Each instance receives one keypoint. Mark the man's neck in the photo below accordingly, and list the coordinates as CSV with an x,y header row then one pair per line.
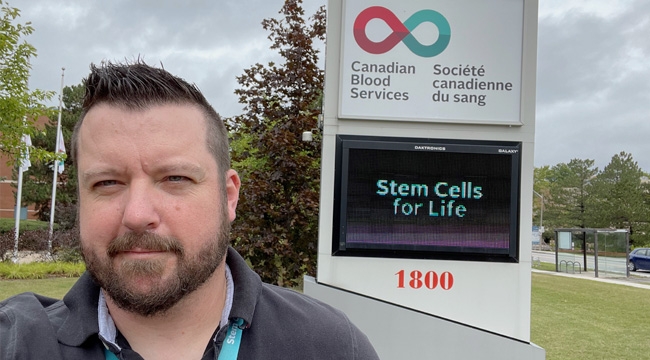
x,y
181,332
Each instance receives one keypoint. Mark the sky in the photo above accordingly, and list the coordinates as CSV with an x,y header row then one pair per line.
x,y
593,78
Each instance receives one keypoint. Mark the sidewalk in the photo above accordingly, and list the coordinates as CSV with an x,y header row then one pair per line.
x,y
634,281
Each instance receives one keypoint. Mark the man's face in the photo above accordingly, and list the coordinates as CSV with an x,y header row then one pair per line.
x,y
154,209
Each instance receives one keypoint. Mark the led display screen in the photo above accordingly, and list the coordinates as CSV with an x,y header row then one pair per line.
x,y
427,198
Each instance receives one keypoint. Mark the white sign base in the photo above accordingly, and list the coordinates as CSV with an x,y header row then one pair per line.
x,y
400,333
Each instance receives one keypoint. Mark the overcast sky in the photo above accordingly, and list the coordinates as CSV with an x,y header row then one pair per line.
x,y
593,83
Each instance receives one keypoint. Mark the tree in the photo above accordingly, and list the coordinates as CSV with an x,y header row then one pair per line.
x,y
569,192
541,186
565,188
643,235
37,186
620,198
277,221
19,107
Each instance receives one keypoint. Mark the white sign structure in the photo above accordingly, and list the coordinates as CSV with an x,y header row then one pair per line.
x,y
432,61
428,139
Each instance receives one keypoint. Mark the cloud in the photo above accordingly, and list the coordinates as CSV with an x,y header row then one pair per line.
x,y
591,92
592,88
206,42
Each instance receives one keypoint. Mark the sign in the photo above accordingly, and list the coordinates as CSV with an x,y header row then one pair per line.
x,y
409,197
443,61
537,235
427,164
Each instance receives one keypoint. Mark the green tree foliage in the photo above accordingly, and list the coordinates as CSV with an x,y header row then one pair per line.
x,y
569,192
19,106
577,195
541,185
642,237
619,198
277,220
568,195
37,186
542,176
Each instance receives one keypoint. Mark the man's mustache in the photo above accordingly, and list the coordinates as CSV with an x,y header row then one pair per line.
x,y
146,240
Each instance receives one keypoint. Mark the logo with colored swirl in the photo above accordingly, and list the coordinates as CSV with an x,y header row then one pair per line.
x,y
402,31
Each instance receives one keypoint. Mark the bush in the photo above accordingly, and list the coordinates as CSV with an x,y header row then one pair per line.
x,y
40,270
65,243
6,243
34,240
9,225
65,215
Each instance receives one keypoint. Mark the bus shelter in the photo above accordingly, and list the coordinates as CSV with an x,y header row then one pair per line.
x,y
613,245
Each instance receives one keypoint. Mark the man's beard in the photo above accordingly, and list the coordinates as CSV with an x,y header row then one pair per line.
x,y
191,271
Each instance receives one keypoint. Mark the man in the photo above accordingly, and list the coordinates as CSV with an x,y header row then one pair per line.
x,y
156,198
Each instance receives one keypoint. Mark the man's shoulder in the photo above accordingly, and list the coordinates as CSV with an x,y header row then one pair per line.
x,y
26,322
282,321
320,330
290,301
29,311
28,303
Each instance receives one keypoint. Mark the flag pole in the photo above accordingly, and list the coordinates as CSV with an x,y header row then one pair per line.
x,y
23,165
19,193
55,169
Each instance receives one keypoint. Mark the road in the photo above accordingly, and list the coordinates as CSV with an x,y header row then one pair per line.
x,y
605,263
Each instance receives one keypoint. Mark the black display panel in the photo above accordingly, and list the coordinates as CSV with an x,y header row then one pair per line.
x,y
427,198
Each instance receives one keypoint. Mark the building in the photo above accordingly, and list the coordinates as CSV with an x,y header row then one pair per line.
x,y
8,187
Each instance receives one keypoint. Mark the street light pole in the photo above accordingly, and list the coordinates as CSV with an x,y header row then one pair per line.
x,y
541,214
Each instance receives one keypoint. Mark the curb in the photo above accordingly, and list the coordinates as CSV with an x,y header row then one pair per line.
x,y
587,277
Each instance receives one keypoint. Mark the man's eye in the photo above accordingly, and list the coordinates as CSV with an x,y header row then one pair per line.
x,y
105,183
177,178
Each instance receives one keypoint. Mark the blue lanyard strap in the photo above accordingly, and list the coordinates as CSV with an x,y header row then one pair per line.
x,y
109,355
230,347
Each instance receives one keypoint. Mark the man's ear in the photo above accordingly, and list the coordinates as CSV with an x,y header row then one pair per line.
x,y
232,192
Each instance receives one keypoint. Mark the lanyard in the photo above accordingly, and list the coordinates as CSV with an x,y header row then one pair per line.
x,y
229,350
109,355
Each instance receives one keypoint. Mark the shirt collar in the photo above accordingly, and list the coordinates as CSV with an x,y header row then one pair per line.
x,y
108,331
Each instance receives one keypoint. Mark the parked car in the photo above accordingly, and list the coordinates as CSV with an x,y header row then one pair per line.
x,y
639,259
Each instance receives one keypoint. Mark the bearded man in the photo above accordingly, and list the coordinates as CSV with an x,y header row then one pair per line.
x,y
156,199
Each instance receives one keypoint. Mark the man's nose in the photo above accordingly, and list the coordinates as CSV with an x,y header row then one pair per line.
x,y
141,209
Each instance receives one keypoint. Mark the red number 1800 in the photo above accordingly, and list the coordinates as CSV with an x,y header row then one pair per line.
x,y
429,280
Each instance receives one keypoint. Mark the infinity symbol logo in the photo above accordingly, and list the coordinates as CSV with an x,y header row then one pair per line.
x,y
401,32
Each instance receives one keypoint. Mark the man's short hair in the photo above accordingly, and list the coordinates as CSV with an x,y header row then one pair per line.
x,y
138,86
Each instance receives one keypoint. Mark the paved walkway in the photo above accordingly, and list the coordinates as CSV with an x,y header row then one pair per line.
x,y
635,281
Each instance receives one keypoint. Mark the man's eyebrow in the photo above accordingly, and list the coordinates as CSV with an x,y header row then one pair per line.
x,y
181,166
169,168
88,175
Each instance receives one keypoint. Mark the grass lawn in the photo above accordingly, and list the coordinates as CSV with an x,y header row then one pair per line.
x,y
583,319
52,279
54,287
571,318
